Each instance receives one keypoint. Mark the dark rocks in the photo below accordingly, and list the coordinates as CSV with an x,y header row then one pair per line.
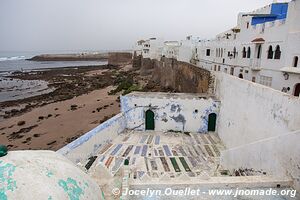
x,y
36,135
74,107
51,143
21,123
20,134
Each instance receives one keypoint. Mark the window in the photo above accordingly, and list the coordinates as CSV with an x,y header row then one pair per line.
x,y
244,52
219,68
231,70
270,52
247,25
295,64
266,80
215,69
207,52
253,79
277,52
234,52
248,52
259,52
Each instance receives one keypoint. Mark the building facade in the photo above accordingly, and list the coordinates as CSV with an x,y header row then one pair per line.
x,y
264,47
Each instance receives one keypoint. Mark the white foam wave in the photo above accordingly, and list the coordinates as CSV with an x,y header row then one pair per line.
x,y
12,58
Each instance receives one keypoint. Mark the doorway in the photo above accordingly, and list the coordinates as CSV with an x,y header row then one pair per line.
x,y
212,119
149,120
297,90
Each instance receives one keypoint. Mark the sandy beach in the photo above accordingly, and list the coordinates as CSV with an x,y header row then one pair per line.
x,y
56,124
83,98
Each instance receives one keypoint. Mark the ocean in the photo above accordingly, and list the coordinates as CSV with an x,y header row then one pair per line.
x,y
14,89
16,61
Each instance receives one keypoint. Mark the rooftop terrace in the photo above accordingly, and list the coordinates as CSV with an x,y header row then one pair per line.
x,y
163,159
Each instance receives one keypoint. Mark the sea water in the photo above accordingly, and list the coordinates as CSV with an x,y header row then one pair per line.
x,y
14,89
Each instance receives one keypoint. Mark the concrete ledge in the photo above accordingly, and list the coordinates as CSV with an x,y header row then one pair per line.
x,y
222,182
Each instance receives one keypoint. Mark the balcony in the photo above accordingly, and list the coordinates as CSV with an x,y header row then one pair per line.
x,y
255,64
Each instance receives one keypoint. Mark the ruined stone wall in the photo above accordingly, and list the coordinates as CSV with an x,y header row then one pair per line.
x,y
178,76
137,61
119,58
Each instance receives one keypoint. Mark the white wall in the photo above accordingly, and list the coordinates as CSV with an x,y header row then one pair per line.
x,y
280,32
250,112
171,112
279,156
89,144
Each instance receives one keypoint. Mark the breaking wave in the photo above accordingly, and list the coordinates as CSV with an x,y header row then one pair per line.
x,y
12,58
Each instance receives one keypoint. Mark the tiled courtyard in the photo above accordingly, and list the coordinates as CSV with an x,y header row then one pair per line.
x,y
159,154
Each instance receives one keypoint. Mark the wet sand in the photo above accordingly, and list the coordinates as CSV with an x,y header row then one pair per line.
x,y
83,98
56,124
81,101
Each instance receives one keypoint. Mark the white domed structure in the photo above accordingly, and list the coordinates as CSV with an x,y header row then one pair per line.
x,y
44,175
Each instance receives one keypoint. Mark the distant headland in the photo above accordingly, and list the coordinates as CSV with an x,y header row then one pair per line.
x,y
70,57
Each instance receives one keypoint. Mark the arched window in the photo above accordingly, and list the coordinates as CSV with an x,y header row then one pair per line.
x,y
234,52
222,52
277,52
216,52
295,64
244,52
270,52
259,52
241,76
297,90
248,52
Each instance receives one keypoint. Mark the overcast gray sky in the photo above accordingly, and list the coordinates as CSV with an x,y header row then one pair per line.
x,y
47,25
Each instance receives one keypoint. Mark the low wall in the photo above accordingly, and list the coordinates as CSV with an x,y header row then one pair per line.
x,y
119,58
278,156
176,112
89,144
251,112
176,75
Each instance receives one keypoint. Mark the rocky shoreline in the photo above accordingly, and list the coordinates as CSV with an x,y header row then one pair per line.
x,y
71,57
83,97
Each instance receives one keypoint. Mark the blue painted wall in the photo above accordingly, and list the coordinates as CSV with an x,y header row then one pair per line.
x,y
278,11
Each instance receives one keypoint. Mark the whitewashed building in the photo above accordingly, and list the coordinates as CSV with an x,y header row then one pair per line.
x,y
264,47
150,48
171,49
188,50
184,50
